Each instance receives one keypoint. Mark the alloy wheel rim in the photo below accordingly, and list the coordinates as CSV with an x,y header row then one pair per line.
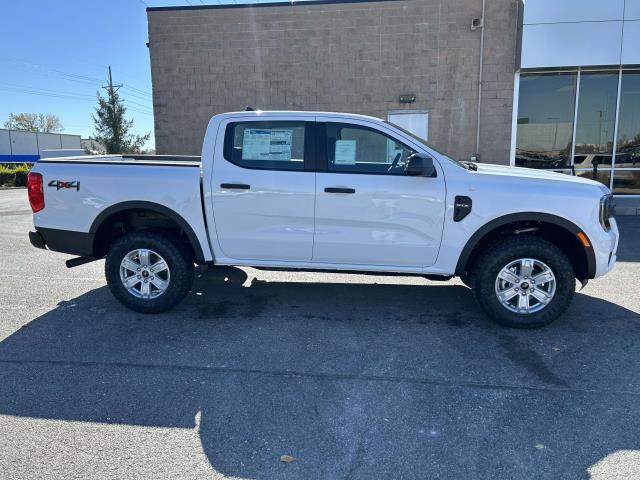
x,y
525,286
144,273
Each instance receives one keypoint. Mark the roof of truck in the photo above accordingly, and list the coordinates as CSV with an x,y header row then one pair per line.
x,y
268,113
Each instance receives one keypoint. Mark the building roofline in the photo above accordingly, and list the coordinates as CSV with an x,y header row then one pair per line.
x,y
264,4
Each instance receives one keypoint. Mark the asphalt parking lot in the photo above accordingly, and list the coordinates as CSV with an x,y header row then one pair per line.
x,y
356,377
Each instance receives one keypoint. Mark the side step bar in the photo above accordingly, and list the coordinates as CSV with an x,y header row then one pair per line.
x,y
76,262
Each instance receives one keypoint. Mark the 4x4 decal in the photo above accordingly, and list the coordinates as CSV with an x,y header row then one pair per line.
x,y
60,184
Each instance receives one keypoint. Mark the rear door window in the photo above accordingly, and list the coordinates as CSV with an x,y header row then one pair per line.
x,y
274,145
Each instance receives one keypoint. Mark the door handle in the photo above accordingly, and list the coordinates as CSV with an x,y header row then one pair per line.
x,y
235,186
339,190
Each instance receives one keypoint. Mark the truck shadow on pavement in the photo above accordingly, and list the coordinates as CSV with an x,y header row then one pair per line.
x,y
354,380
629,231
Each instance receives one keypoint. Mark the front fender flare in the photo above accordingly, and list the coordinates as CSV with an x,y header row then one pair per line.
x,y
519,217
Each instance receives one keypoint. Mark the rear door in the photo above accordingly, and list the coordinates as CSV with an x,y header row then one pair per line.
x,y
263,189
368,212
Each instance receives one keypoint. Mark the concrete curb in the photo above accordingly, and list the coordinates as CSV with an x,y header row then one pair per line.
x,y
13,188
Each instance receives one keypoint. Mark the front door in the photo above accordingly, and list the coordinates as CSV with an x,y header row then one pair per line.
x,y
368,212
263,192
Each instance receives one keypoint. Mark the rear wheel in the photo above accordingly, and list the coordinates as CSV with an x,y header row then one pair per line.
x,y
523,282
147,272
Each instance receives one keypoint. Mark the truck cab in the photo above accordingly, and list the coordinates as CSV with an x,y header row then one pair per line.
x,y
326,191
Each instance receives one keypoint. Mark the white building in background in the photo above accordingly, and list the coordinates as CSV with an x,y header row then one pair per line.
x,y
22,146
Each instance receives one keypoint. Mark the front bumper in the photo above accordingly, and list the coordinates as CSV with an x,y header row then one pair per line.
x,y
605,245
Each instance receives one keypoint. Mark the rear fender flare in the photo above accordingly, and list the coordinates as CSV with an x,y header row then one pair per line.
x,y
142,205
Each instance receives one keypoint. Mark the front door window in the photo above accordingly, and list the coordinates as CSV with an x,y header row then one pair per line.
x,y
358,149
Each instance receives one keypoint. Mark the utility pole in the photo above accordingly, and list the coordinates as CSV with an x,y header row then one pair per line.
x,y
111,90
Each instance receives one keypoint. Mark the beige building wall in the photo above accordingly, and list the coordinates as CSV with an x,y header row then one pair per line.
x,y
345,56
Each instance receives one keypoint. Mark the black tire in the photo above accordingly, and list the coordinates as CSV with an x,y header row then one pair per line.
x,y
494,258
180,267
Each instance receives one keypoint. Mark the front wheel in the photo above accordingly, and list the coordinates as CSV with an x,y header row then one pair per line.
x,y
523,282
147,272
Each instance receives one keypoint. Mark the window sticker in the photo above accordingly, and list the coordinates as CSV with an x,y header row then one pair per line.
x,y
280,148
266,144
256,144
345,152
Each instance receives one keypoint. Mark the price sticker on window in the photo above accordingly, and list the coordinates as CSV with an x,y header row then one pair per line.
x,y
345,152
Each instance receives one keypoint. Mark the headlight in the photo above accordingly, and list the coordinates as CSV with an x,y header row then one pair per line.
x,y
607,211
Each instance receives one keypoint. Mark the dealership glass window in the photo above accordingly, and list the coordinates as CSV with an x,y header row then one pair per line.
x,y
601,175
627,180
595,126
596,117
546,110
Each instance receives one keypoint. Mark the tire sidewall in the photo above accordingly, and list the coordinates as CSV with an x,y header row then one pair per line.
x,y
181,272
494,260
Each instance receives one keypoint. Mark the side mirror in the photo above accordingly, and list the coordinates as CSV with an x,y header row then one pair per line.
x,y
420,165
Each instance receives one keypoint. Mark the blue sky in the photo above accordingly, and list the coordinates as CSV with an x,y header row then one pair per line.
x,y
55,56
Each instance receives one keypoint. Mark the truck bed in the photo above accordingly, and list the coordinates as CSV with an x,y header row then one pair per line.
x,y
168,160
80,193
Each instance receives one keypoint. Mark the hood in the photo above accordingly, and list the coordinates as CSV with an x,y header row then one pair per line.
x,y
531,173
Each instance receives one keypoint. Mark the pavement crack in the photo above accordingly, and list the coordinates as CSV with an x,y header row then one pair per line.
x,y
293,374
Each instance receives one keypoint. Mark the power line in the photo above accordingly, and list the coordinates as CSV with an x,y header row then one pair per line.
x,y
144,3
138,104
113,89
138,97
78,78
126,75
65,75
85,98
81,98
44,90
141,112
138,109
136,92
142,92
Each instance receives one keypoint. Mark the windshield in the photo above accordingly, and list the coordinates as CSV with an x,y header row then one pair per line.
x,y
425,143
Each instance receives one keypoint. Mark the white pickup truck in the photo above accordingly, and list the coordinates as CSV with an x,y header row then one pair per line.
x,y
332,192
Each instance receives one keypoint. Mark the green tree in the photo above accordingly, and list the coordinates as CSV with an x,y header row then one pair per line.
x,y
111,127
34,122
